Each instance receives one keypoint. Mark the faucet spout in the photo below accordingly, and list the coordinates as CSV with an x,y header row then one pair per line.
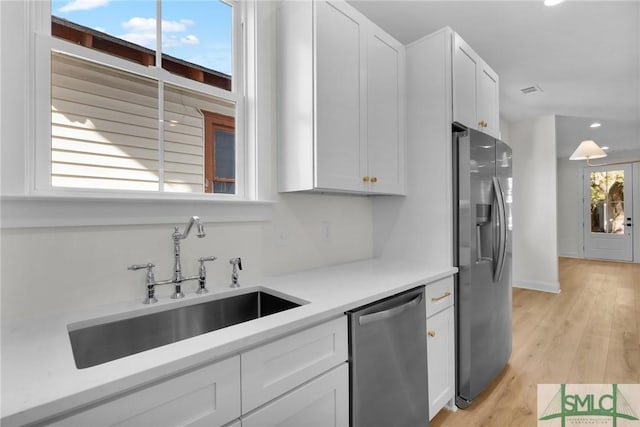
x,y
193,220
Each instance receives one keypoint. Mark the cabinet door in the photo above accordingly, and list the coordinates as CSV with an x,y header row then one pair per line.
x,y
465,65
440,357
385,149
275,368
488,111
208,396
323,402
339,150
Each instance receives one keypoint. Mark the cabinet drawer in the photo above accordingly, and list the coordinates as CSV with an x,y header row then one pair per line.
x,y
440,360
206,396
277,367
439,295
323,402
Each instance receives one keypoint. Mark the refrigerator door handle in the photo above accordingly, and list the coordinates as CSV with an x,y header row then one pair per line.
x,y
502,230
386,314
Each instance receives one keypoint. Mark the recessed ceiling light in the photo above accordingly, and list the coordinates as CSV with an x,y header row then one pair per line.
x,y
605,148
595,125
552,2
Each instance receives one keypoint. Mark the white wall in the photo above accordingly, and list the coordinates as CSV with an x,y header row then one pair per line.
x,y
505,129
535,239
46,270
569,208
570,232
419,227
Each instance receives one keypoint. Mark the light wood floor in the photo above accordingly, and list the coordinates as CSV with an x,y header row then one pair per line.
x,y
589,333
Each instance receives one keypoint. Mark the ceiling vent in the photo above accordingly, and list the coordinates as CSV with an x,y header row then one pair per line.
x,y
531,89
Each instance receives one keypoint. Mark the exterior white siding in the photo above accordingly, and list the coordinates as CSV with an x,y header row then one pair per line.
x,y
104,130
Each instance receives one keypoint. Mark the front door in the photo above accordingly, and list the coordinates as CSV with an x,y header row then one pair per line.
x,y
608,204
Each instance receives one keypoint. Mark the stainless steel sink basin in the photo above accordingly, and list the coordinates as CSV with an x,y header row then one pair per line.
x,y
104,342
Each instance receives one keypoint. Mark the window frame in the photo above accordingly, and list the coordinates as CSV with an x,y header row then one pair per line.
x,y
40,153
213,122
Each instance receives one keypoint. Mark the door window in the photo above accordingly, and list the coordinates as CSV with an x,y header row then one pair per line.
x,y
607,202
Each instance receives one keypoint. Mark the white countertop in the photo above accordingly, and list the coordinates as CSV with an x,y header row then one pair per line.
x,y
40,379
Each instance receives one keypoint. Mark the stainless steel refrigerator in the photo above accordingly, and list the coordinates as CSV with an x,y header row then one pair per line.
x,y
482,252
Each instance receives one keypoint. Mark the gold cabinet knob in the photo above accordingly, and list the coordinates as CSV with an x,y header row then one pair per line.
x,y
374,179
432,334
365,178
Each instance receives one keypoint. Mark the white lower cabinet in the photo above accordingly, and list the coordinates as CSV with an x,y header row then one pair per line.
x,y
206,396
299,380
275,368
440,344
322,402
441,359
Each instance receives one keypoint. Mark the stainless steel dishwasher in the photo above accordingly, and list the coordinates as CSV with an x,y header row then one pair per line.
x,y
388,362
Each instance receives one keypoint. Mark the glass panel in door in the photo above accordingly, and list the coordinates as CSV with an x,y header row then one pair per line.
x,y
608,217
607,201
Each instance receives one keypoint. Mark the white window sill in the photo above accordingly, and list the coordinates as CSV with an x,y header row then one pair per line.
x,y
28,211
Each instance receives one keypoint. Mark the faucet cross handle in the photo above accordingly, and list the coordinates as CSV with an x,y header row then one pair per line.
x,y
150,281
202,280
148,266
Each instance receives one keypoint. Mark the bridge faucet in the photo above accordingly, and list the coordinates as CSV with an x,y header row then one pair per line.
x,y
178,278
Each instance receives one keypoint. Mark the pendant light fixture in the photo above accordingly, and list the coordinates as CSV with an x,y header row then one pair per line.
x,y
588,150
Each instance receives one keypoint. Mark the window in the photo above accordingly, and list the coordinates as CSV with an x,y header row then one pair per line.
x,y
607,202
219,152
123,117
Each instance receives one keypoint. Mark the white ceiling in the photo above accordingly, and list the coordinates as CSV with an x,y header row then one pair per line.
x,y
585,55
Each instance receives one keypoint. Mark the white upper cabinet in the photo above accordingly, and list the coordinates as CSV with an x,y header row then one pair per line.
x,y
340,135
340,101
385,150
475,90
487,102
465,71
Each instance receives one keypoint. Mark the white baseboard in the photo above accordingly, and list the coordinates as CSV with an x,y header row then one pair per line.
x,y
570,255
553,288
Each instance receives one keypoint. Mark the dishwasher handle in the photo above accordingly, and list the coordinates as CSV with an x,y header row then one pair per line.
x,y
386,314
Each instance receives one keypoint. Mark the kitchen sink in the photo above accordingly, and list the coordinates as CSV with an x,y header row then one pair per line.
x,y
93,345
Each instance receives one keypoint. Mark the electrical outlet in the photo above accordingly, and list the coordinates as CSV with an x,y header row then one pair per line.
x,y
326,230
281,236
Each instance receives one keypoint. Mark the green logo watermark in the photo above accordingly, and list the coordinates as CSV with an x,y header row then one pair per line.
x,y
588,407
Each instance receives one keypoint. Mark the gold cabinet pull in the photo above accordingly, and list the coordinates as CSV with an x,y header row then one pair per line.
x,y
374,179
436,299
365,178
483,124
432,334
